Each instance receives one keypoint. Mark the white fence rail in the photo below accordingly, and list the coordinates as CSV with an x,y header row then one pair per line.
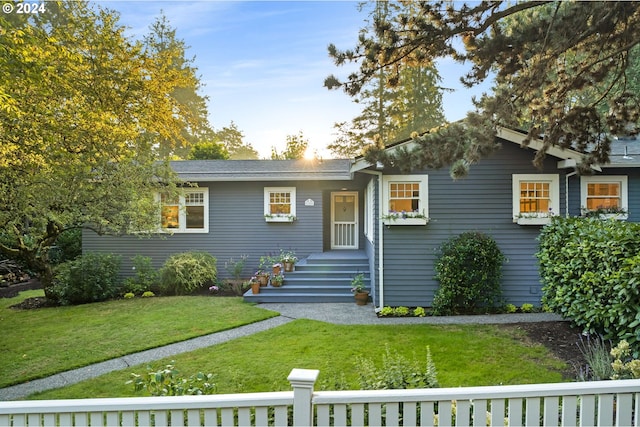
x,y
601,403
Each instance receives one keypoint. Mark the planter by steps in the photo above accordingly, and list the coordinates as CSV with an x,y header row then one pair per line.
x,y
362,298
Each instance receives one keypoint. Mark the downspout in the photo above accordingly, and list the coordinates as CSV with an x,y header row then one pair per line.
x,y
566,192
380,238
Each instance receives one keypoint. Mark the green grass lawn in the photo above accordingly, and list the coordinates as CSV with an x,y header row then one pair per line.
x,y
464,355
42,342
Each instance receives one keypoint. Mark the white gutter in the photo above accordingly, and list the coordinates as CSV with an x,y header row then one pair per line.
x,y
380,238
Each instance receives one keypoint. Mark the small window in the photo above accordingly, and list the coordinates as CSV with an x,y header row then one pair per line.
x,y
536,198
280,204
406,200
187,213
604,195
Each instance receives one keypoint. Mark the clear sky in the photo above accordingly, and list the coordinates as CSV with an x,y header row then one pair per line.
x,y
263,63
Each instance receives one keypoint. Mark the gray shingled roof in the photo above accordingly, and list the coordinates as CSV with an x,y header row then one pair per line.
x,y
625,152
262,170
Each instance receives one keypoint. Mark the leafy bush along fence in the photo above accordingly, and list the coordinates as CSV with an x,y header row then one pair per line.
x,y
469,271
590,271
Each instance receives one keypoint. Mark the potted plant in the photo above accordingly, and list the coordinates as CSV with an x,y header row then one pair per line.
x,y
261,277
255,285
360,294
276,268
288,259
276,280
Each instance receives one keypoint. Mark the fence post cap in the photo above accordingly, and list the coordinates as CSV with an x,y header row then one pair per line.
x,y
302,376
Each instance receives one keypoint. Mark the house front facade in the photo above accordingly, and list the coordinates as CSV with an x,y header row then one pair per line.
x,y
396,221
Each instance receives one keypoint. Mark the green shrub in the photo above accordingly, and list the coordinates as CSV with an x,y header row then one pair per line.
x,y
146,277
590,270
397,372
527,308
89,278
186,272
510,308
167,382
469,269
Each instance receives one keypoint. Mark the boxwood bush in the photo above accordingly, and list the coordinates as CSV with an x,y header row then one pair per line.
x,y
590,270
89,278
186,272
469,270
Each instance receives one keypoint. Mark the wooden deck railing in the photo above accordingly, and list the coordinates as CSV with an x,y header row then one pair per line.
x,y
600,403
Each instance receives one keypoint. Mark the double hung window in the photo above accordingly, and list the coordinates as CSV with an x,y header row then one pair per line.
x,y
536,197
405,198
187,213
605,195
279,204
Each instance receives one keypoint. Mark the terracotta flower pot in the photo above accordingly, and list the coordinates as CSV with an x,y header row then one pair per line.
x,y
288,266
255,288
362,298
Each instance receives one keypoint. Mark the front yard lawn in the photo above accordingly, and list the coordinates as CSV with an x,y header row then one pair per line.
x,y
465,355
42,342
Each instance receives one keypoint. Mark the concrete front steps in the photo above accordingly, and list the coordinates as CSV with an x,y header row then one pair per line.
x,y
321,277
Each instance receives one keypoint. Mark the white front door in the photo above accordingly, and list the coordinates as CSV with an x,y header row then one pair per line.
x,y
344,220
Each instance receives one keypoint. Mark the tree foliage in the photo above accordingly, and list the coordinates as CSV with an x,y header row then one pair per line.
x,y
83,110
543,56
296,148
208,151
232,139
169,56
390,114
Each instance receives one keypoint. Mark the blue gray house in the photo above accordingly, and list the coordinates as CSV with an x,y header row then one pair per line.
x,y
344,217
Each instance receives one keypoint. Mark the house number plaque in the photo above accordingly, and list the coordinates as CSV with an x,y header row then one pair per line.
x,y
309,202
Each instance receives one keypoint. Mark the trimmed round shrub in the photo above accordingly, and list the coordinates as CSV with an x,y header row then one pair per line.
x,y
590,270
469,270
184,273
89,278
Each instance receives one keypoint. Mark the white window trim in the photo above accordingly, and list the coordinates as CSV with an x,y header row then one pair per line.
x,y
624,192
268,217
540,218
183,213
423,180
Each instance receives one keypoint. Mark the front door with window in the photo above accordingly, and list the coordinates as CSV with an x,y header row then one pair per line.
x,y
344,220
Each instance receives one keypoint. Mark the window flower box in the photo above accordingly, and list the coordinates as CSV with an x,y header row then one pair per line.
x,y
405,218
279,218
533,220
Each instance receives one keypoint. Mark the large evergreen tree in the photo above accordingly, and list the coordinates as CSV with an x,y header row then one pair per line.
x,y
83,108
543,56
389,112
169,55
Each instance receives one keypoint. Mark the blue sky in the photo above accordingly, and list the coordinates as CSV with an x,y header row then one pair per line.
x,y
263,63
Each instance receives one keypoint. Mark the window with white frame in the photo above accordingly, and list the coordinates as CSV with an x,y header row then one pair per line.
x,y
536,195
604,194
280,203
405,197
187,213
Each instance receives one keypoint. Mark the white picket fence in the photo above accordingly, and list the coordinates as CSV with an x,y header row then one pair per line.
x,y
599,403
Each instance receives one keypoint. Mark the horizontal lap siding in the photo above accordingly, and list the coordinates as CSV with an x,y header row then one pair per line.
x,y
480,202
236,227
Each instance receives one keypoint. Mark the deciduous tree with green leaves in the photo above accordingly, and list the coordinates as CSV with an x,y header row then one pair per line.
x,y
84,109
296,147
542,55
